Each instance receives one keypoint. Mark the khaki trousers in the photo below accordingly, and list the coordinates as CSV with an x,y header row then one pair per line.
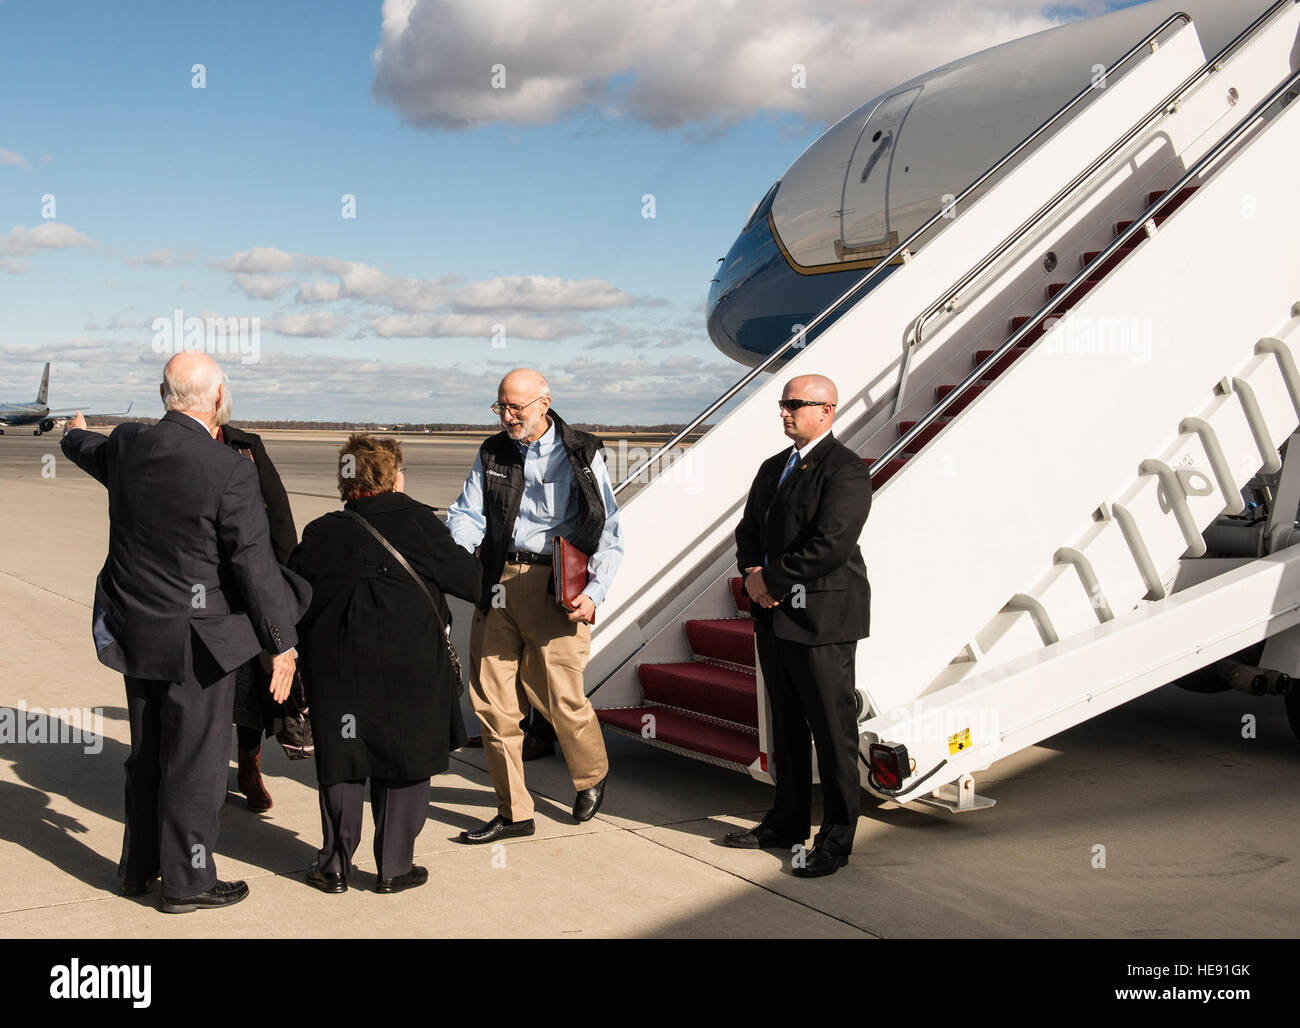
x,y
528,651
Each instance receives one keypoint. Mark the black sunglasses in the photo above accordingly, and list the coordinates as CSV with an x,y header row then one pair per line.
x,y
794,405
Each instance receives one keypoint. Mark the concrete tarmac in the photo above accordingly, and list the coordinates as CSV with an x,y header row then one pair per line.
x,y
1156,820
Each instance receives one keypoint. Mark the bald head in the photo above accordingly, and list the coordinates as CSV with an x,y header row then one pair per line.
x,y
525,398
525,380
812,387
194,384
813,418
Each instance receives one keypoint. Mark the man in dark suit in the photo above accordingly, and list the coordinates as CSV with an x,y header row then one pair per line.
x,y
797,545
189,592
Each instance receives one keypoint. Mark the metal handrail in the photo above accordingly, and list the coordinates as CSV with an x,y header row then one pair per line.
x,y
1143,223
903,250
1165,108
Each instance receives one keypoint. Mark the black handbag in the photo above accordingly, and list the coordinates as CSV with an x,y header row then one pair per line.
x,y
295,735
452,655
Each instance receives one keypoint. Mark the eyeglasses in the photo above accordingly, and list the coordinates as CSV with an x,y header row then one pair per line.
x,y
794,405
515,410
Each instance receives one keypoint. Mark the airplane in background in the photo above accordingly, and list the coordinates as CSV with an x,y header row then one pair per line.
x,y
38,412
878,174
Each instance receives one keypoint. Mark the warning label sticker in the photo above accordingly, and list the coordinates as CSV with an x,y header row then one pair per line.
x,y
959,741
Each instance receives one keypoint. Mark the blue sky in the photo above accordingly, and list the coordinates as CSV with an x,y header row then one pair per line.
x,y
474,207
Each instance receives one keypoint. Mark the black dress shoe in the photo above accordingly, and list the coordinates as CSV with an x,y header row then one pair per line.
x,y
588,801
498,828
223,894
535,747
416,876
760,837
819,864
327,881
138,886
474,742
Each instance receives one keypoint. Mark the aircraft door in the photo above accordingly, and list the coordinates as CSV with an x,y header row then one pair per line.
x,y
865,230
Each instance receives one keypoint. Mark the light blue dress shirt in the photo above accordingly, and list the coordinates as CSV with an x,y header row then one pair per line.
x,y
549,507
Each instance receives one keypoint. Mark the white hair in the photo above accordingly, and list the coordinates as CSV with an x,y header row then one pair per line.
x,y
227,404
192,385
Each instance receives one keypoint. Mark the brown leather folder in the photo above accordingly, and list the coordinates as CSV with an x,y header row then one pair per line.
x,y
570,566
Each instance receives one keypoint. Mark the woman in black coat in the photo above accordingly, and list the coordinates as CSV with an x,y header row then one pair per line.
x,y
254,709
375,664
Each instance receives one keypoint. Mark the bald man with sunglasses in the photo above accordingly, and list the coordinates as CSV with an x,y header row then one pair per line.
x,y
797,546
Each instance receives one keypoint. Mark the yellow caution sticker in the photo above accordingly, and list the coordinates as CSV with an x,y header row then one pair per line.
x,y
959,741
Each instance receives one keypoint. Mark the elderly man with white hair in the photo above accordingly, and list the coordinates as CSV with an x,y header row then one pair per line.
x,y
535,481
189,592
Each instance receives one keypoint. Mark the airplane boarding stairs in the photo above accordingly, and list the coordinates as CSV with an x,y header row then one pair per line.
x,y
1028,544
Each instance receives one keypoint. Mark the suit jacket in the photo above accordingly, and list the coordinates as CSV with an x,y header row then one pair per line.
x,y
190,583
284,534
371,648
805,534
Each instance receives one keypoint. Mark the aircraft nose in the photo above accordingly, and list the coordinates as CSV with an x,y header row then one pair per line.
x,y
731,309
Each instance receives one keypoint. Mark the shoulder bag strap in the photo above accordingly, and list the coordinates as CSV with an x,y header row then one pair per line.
x,y
437,613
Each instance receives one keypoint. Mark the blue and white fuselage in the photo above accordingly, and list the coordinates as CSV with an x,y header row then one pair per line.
x,y
880,173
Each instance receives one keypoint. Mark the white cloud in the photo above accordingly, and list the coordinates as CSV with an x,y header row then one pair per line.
x,y
48,235
366,282
161,258
261,287
539,293
317,291
312,324
669,62
529,306
469,326
259,260
12,160
105,375
13,267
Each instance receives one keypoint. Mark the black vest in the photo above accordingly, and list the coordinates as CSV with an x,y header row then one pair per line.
x,y
503,490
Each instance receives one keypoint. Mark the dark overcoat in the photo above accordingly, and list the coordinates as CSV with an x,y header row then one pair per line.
x,y
284,536
254,707
378,678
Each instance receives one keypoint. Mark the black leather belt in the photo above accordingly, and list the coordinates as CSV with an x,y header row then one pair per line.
x,y
524,557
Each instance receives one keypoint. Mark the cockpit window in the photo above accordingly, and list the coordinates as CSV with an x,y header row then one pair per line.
x,y
876,154
761,211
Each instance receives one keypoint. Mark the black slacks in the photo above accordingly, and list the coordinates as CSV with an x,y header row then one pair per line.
x,y
399,809
176,781
812,688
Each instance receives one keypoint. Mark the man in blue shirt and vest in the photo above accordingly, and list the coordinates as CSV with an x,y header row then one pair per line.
x,y
531,482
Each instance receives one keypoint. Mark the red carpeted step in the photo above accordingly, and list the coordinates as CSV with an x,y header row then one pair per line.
x,y
924,436
686,732
1003,362
1122,226
1053,288
729,639
1181,198
887,472
962,402
1043,326
702,689
1111,262
738,594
